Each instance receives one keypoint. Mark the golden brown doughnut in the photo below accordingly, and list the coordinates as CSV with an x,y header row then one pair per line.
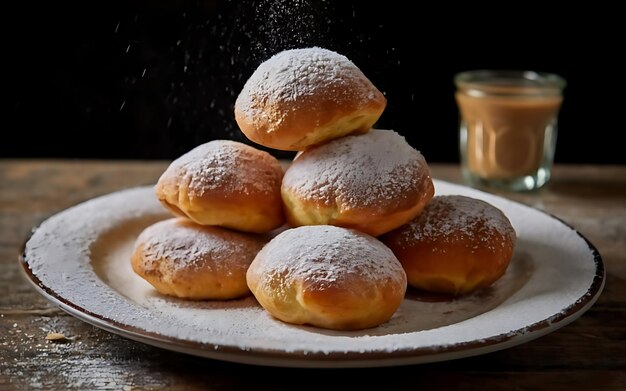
x,y
303,97
457,245
372,182
329,277
182,259
227,184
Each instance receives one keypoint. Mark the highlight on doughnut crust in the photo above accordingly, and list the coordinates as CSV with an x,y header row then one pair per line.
x,y
373,182
456,245
303,97
328,277
182,259
227,184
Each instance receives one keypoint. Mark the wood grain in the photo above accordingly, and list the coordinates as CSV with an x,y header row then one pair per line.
x,y
587,354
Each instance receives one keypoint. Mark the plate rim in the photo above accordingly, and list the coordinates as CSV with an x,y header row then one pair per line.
x,y
301,358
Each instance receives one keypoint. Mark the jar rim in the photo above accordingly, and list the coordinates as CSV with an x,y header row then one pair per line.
x,y
484,82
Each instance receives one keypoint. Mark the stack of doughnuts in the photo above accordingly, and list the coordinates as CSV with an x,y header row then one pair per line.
x,y
362,181
348,184
362,221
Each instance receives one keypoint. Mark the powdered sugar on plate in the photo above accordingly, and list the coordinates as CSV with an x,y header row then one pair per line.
x,y
79,259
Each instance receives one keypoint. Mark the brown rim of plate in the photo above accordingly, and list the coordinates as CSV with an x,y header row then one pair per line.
x,y
142,335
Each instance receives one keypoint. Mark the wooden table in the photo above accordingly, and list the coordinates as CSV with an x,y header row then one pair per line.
x,y
587,354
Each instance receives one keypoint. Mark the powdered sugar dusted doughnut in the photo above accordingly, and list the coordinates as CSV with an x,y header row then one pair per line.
x,y
458,244
186,260
225,183
328,277
303,97
373,182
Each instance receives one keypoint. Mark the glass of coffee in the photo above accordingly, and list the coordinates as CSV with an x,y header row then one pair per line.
x,y
508,127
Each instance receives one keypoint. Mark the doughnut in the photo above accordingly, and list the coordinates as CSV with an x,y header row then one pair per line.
x,y
182,259
329,277
457,245
227,184
302,97
372,182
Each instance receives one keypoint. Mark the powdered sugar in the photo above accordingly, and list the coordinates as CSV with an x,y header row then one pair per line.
x,y
328,255
454,218
185,245
229,166
297,75
102,289
376,169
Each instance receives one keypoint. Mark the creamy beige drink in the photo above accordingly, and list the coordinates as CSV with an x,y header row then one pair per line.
x,y
508,126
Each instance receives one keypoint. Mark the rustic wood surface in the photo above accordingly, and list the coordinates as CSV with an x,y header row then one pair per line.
x,y
590,353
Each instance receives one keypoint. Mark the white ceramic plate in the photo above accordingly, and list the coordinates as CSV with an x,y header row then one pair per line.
x,y
79,260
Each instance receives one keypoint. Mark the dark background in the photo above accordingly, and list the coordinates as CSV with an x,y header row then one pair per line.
x,y
152,79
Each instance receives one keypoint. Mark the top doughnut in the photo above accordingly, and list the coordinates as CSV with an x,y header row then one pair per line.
x,y
303,97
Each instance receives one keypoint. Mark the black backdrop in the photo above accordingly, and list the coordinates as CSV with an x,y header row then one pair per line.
x,y
152,79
